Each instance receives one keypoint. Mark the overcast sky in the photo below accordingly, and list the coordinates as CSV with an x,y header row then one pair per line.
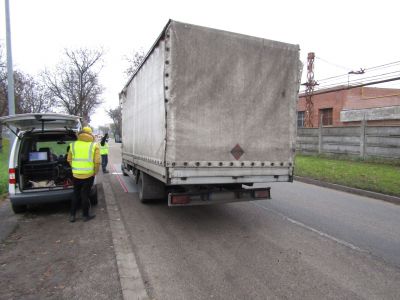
x,y
345,35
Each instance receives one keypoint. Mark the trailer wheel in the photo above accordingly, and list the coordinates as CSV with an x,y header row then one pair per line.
x,y
150,188
19,209
123,170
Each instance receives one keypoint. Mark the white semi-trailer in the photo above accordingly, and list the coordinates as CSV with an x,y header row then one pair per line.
x,y
208,113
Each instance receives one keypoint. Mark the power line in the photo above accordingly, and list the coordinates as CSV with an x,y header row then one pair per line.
x,y
388,65
333,64
350,80
341,88
376,67
329,78
359,80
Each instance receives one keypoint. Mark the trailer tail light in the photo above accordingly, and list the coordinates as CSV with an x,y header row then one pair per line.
x,y
262,194
180,199
11,176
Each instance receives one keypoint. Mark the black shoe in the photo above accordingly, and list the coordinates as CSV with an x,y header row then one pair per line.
x,y
72,219
88,218
106,171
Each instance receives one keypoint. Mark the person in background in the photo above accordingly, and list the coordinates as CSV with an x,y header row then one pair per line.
x,y
66,155
84,158
104,152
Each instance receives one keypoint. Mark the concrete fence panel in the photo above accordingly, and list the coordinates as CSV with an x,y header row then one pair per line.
x,y
341,140
307,148
341,149
341,131
374,141
307,132
361,141
383,152
383,131
307,140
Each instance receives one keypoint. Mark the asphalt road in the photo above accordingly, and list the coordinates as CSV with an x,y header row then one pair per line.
x,y
365,223
307,242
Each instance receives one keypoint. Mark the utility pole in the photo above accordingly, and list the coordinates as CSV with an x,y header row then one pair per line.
x,y
10,71
310,84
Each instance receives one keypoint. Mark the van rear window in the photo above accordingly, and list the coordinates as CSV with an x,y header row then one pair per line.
x,y
55,147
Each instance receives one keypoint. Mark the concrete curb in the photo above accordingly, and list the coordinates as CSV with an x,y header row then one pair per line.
x,y
383,197
130,278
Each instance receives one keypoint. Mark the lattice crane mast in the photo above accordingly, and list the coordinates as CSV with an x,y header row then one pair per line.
x,y
310,84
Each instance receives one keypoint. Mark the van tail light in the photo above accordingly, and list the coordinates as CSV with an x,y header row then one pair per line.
x,y
11,176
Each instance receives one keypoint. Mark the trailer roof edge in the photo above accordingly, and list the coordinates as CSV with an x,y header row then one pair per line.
x,y
148,53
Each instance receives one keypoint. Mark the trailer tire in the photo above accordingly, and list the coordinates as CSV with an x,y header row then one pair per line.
x,y
18,209
150,188
123,170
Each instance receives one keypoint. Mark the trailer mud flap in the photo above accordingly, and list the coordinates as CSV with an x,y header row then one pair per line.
x,y
214,197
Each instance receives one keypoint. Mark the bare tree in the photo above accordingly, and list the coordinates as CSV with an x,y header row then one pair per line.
x,y
115,135
74,85
3,84
116,116
104,129
30,95
3,94
134,61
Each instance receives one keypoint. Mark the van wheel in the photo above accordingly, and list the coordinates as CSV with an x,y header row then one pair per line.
x,y
93,195
18,209
150,188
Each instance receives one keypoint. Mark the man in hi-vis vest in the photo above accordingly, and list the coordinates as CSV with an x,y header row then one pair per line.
x,y
104,152
84,158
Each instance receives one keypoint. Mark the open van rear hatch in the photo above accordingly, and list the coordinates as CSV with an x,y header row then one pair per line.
x,y
38,121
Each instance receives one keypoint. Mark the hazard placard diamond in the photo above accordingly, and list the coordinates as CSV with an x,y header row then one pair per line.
x,y
237,152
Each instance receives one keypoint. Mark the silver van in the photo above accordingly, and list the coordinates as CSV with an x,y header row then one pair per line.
x,y
38,167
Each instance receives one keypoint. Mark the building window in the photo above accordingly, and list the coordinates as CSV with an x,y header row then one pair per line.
x,y
326,114
300,118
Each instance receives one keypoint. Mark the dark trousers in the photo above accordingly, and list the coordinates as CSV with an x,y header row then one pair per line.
x,y
104,161
82,189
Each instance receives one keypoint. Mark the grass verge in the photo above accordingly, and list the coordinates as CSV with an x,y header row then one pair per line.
x,y
371,176
4,169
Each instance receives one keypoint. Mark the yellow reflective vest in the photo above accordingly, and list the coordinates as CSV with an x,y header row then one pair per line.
x,y
82,157
104,149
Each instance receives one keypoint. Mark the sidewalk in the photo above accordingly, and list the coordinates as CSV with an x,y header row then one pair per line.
x,y
8,220
47,257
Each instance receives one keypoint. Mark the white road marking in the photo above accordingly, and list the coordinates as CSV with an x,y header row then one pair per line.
x,y
339,241
126,182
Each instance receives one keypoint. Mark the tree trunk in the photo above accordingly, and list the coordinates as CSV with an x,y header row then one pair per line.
x,y
1,138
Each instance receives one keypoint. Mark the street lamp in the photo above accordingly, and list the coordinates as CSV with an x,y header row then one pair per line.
x,y
10,72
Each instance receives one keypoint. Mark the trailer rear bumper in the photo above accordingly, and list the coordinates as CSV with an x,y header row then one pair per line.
x,y
215,197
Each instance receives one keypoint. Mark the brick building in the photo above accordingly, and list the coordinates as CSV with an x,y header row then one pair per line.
x,y
379,106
